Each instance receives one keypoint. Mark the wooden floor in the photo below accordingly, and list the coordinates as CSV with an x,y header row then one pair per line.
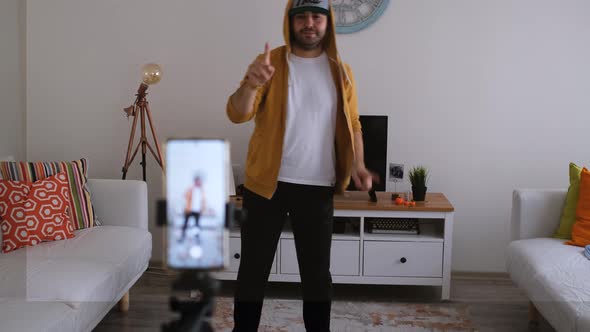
x,y
494,303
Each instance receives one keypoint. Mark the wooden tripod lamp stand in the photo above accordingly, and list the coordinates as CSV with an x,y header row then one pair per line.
x,y
141,109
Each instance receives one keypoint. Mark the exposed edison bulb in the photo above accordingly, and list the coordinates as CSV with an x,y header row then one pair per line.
x,y
151,73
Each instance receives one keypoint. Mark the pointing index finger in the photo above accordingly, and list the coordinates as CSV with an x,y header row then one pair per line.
x,y
267,54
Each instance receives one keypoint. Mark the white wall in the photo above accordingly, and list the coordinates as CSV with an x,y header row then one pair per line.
x,y
491,95
12,79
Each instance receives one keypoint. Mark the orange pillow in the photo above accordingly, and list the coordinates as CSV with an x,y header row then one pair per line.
x,y
31,213
581,229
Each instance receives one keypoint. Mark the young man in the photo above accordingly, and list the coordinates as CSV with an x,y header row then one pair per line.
x,y
195,204
306,145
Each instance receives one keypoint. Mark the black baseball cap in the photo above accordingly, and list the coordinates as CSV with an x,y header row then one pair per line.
x,y
316,6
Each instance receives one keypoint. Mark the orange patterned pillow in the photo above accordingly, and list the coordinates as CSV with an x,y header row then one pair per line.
x,y
581,229
82,212
31,213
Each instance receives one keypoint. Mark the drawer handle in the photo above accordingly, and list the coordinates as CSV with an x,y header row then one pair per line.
x,y
403,260
237,256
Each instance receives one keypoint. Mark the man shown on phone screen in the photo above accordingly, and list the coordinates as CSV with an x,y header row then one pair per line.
x,y
195,204
306,144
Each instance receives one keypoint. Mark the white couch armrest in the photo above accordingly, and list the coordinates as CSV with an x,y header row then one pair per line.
x,y
536,212
120,202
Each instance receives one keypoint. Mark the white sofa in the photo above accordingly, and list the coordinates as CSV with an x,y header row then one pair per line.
x,y
555,276
71,285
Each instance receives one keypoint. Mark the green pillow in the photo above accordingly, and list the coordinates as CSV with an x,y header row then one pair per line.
x,y
568,216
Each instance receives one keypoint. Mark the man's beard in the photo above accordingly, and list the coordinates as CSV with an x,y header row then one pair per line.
x,y
307,44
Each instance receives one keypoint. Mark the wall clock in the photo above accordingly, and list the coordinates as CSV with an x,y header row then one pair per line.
x,y
355,15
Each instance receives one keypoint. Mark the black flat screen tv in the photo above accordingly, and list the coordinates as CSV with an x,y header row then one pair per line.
x,y
375,146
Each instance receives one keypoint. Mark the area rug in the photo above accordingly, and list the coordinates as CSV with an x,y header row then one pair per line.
x,y
280,315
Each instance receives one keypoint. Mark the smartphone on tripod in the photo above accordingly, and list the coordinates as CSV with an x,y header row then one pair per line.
x,y
197,187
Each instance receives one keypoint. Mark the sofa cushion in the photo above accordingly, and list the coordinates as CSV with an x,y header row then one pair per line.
x,y
72,281
15,315
556,277
13,268
80,206
128,248
32,213
94,266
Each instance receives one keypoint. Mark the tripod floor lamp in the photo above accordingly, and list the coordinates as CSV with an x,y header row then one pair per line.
x,y
141,110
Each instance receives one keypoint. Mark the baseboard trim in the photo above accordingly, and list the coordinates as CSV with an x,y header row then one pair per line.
x,y
479,275
160,267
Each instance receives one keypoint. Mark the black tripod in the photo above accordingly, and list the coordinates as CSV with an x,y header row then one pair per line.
x,y
195,315
142,107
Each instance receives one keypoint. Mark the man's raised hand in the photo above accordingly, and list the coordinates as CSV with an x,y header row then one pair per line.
x,y
261,70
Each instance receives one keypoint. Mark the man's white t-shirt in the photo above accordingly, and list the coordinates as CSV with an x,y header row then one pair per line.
x,y
196,199
309,155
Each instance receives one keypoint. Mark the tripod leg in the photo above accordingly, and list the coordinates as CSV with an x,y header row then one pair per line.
x,y
143,140
130,146
136,150
143,163
155,155
149,115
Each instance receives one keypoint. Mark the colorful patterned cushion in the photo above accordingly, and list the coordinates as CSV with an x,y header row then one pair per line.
x,y
32,213
568,215
80,206
581,229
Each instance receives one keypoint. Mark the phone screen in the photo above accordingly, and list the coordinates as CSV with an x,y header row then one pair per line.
x,y
197,172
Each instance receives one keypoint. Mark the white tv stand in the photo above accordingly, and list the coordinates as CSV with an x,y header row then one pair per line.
x,y
360,257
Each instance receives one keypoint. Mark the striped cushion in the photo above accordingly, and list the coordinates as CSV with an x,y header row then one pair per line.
x,y
80,206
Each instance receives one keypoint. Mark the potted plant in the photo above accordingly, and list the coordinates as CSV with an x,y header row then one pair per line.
x,y
418,179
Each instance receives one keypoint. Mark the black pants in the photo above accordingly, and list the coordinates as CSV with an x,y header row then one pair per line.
x,y
187,217
311,211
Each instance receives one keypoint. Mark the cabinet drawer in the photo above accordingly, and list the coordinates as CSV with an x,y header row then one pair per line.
x,y
235,255
402,259
344,258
